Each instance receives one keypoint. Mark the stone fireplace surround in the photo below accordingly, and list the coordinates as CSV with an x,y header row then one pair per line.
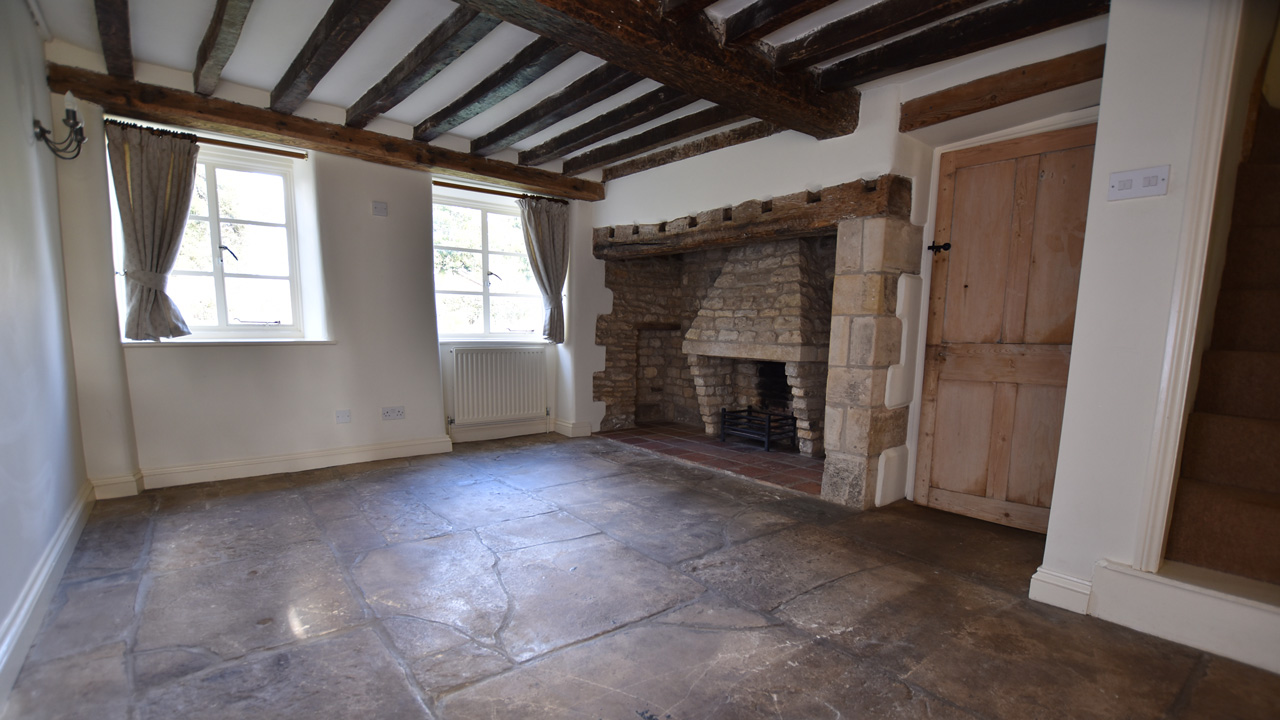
x,y
690,322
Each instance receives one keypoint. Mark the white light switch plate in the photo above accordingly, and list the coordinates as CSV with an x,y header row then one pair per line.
x,y
1147,182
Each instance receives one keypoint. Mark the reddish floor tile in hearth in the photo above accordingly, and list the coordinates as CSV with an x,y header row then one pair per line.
x,y
780,466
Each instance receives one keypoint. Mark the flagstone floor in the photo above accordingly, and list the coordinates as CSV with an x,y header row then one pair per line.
x,y
559,578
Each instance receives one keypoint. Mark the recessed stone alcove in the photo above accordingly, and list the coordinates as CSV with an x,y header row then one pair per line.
x,y
808,281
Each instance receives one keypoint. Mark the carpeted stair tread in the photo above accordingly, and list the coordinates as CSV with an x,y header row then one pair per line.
x,y
1247,319
1253,259
1229,529
1257,187
1232,451
1234,382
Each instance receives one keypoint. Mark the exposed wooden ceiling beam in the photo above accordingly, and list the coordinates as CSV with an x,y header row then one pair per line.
x,y
679,9
219,42
968,33
760,18
693,148
1002,88
650,106
800,215
653,138
870,25
605,81
176,107
535,60
333,35
626,34
463,28
113,29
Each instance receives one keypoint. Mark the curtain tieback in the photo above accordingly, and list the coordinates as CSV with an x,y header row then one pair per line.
x,y
146,278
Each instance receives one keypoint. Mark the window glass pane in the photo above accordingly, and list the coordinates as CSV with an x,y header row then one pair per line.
x,y
194,296
459,314
253,301
195,253
459,270
515,314
455,226
505,233
259,249
200,196
250,195
511,274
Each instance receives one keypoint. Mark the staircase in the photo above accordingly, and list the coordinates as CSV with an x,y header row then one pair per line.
x,y
1226,515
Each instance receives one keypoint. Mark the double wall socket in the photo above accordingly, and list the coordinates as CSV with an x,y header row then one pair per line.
x,y
393,413
344,417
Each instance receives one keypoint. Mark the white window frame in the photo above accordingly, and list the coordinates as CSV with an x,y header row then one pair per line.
x,y
485,293
213,157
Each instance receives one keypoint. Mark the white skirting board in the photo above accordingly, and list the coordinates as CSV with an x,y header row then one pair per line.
x,y
117,487
24,618
573,429
496,431
297,462
1064,591
1223,614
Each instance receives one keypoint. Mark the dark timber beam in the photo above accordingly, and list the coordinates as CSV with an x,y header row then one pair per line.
x,y
1002,88
113,29
687,58
462,29
647,107
760,18
218,44
653,138
535,60
968,33
803,214
870,25
605,81
185,109
679,9
693,148
333,35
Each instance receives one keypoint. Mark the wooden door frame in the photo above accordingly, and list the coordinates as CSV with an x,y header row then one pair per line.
x,y
1059,122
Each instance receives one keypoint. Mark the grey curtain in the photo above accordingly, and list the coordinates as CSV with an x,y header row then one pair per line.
x,y
546,226
154,172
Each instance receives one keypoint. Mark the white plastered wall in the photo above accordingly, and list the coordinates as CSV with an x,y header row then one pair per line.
x,y
43,493
1164,101
205,412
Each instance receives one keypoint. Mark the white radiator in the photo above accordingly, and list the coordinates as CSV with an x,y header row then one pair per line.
x,y
498,385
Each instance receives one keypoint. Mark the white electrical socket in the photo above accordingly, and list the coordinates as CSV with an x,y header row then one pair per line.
x,y
344,417
393,413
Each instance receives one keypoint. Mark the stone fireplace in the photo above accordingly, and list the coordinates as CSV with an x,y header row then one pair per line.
x,y
726,307
695,332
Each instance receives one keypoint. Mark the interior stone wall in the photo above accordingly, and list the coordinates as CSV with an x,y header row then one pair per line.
x,y
654,303
866,338
748,302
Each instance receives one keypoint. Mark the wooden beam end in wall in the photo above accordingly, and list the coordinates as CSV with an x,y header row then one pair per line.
x,y
1002,88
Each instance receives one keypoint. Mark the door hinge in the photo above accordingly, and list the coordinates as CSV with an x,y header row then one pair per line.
x,y
450,421
548,412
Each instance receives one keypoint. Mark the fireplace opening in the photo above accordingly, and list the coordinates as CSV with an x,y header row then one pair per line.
x,y
772,388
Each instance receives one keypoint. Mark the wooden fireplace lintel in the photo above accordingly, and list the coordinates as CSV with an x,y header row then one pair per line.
x,y
803,214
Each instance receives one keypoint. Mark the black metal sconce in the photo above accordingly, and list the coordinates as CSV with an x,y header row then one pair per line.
x,y
69,147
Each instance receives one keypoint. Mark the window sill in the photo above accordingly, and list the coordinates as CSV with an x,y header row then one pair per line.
x,y
462,339
246,342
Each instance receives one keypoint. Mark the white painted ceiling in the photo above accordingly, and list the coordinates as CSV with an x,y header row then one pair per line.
x,y
168,33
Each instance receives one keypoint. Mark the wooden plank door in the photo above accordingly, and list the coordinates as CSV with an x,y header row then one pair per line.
x,y
1001,313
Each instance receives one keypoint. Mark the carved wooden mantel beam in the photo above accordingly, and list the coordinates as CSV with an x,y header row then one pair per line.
x,y
803,214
